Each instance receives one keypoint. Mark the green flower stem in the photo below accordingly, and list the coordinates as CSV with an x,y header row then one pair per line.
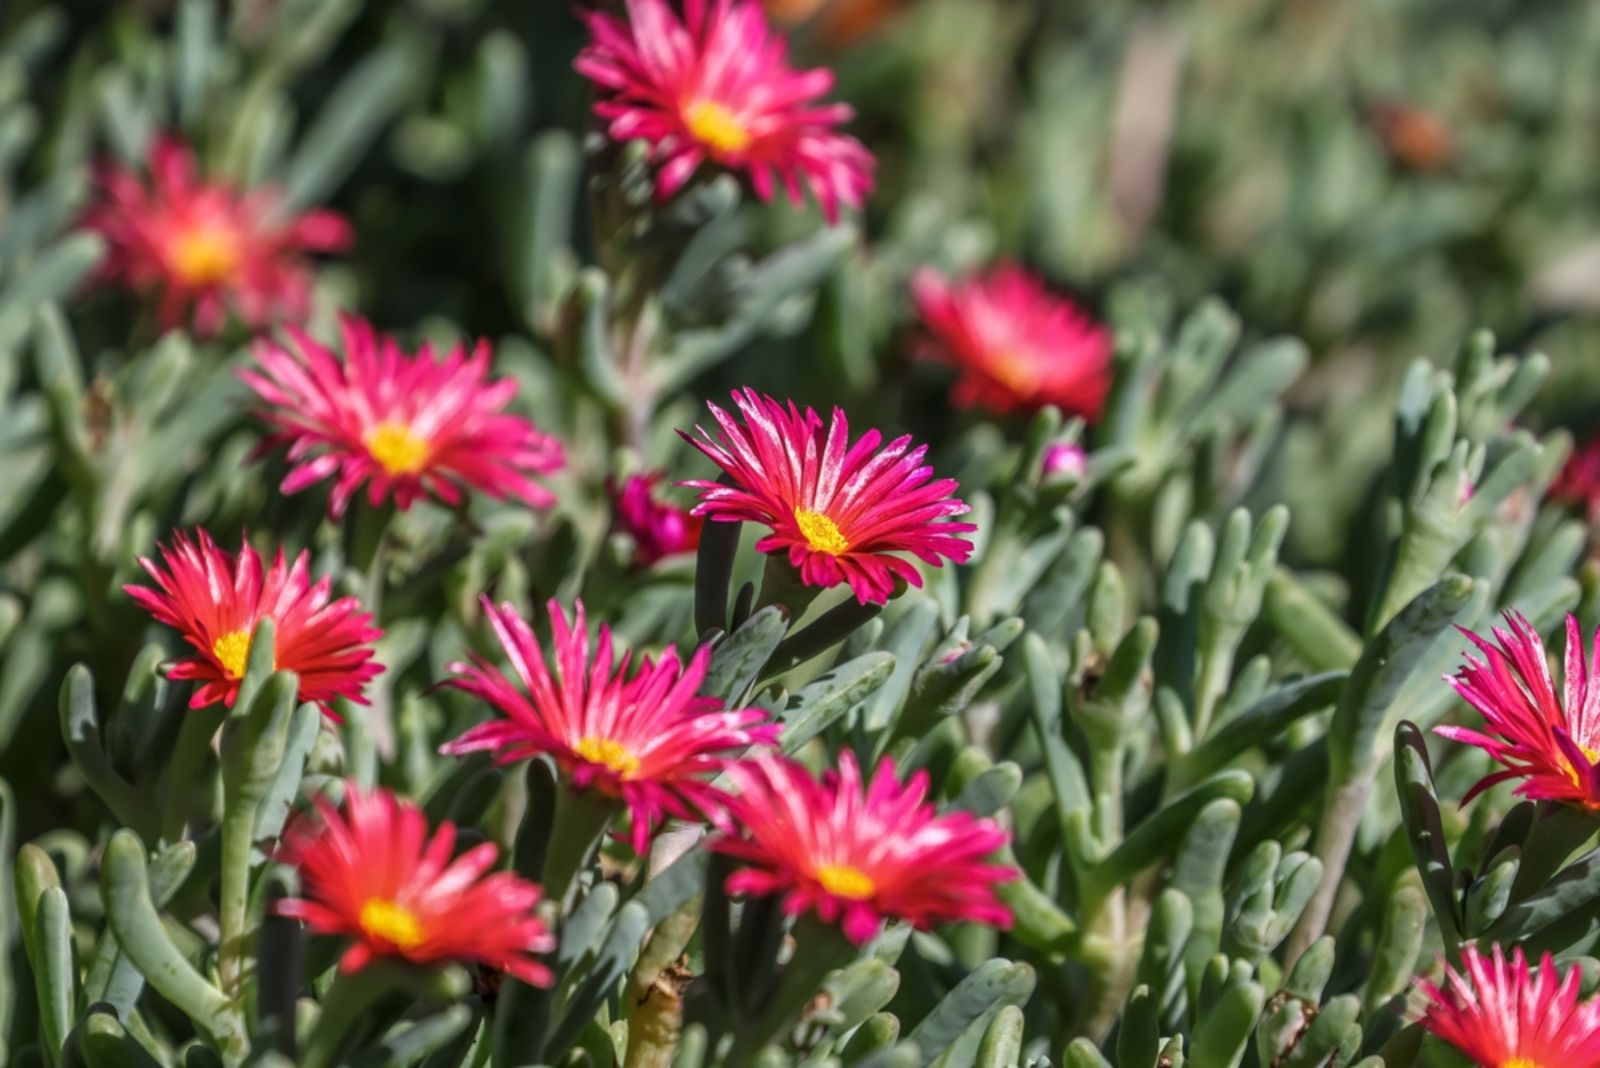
x,y
819,949
579,823
188,756
346,1002
781,585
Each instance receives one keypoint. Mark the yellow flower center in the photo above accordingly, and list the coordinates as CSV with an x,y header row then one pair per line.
x,y
1521,1062
611,754
205,255
716,126
1014,372
397,448
232,651
845,880
392,922
821,533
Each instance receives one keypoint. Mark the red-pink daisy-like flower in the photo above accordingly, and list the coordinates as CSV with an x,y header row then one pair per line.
x,y
715,85
648,740
207,245
373,874
659,529
1551,744
1502,1015
1017,346
215,599
840,510
1579,480
406,425
857,858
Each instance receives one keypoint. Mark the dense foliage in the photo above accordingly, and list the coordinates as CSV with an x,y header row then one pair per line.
x,y
977,532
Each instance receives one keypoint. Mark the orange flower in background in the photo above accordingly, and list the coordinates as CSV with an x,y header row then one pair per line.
x,y
207,249
1415,138
372,873
840,22
216,598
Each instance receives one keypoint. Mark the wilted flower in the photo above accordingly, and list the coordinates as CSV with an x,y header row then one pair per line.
x,y
648,740
840,510
715,85
659,529
1017,346
1549,743
215,599
208,246
857,858
406,425
1414,137
1502,1015
374,874
1065,460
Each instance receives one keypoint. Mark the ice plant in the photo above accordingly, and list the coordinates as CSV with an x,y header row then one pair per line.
x,y
649,740
1579,480
373,874
1502,1015
841,511
207,247
1016,346
403,425
215,599
859,857
714,85
659,529
1065,460
1551,742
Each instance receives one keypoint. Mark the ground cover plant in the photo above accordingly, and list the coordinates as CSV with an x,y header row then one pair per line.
x,y
829,533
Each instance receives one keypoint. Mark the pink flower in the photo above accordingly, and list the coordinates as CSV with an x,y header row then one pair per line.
x,y
215,599
375,875
1017,346
208,247
1503,1016
648,740
714,85
407,425
1549,743
840,510
658,528
858,858
1579,480
1065,460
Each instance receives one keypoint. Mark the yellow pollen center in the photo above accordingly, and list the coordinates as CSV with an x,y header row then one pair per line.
x,y
1014,372
1521,1062
716,126
821,533
232,651
392,922
844,880
611,754
205,255
397,448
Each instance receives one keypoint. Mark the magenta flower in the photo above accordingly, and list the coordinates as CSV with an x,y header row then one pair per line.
x,y
841,511
1550,743
215,599
1501,1014
715,85
1065,460
659,529
1579,480
1016,346
406,425
207,248
648,740
858,858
